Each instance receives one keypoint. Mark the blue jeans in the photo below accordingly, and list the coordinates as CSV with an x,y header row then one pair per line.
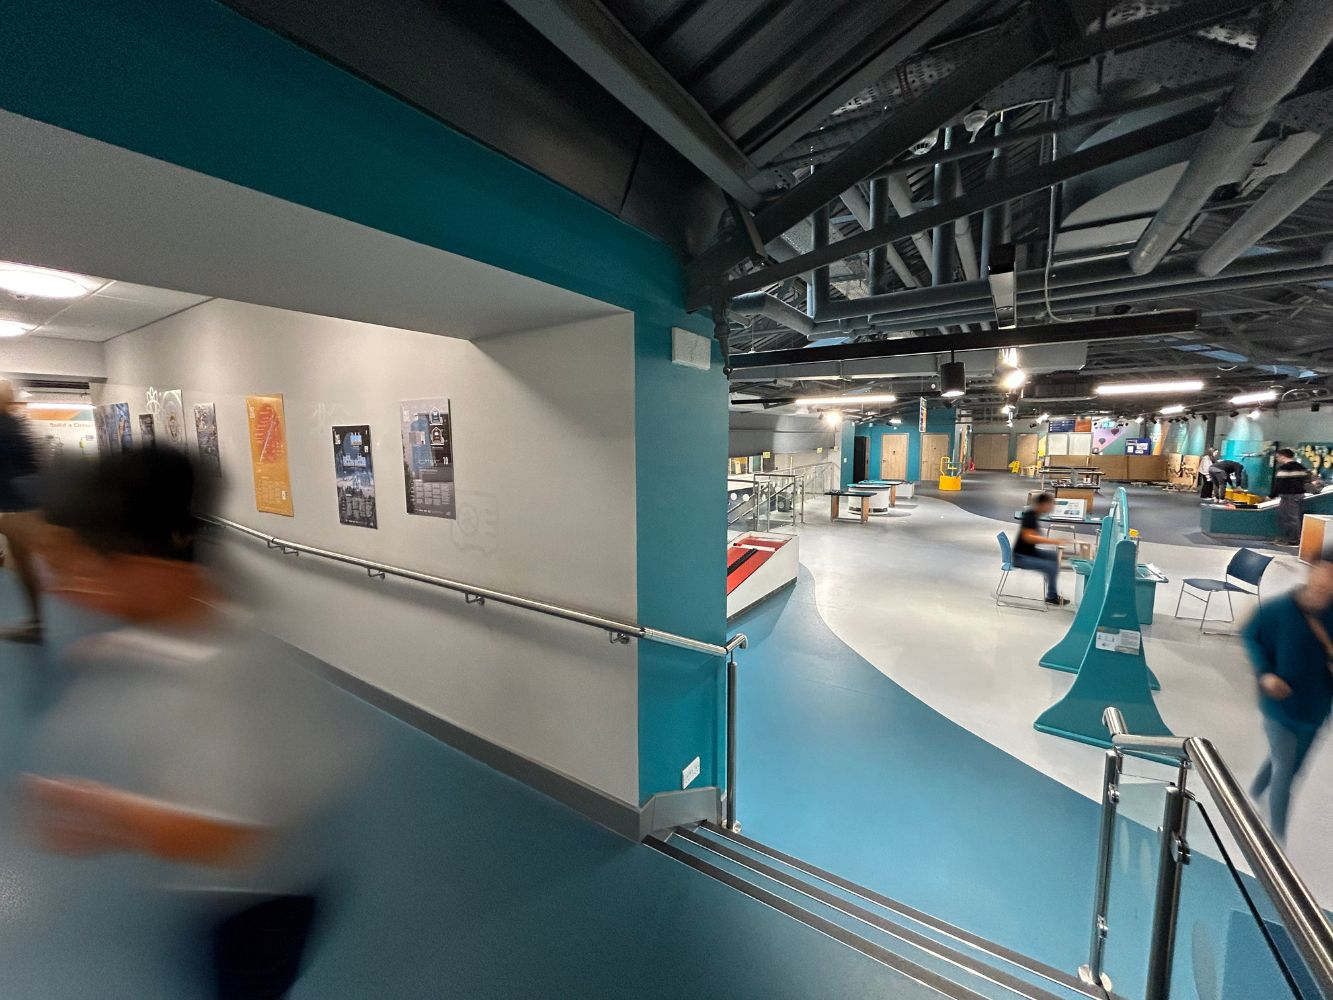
x,y
1287,749
1045,563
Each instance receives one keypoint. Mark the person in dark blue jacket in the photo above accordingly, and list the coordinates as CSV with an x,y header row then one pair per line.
x,y
1290,641
18,519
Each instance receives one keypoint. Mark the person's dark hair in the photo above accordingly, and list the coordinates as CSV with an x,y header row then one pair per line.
x,y
1285,453
1042,498
138,502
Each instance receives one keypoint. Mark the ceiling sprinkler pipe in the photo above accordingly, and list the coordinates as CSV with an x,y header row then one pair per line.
x,y
1283,56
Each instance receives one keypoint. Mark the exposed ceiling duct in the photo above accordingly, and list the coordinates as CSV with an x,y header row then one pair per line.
x,y
1283,56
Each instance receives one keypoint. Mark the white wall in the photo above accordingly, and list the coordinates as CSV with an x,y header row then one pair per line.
x,y
51,356
544,452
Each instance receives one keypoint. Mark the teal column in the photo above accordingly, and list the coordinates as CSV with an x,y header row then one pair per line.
x,y
681,462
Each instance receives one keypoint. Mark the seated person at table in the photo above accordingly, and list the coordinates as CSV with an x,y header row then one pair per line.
x,y
1028,556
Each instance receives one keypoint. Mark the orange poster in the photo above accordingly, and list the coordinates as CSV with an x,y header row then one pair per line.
x,y
268,455
1083,425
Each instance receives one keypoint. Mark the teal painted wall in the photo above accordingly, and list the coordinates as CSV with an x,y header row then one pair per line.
x,y
196,84
682,573
939,420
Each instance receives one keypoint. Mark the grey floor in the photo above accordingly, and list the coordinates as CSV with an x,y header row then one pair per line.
x,y
1159,515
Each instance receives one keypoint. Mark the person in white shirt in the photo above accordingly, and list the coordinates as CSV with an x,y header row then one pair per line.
x,y
183,734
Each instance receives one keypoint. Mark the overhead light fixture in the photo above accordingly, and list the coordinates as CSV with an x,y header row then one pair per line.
x,y
1007,408
13,328
953,379
1143,388
40,283
1043,418
1173,408
833,418
1267,396
1256,413
846,400
896,421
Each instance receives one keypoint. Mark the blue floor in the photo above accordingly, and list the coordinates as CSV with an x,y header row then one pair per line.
x,y
458,882
840,766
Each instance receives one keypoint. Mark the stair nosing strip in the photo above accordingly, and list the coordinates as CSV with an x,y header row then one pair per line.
x,y
998,951
878,953
931,946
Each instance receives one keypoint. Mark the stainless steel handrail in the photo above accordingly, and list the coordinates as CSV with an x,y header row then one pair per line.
x,y
618,629
1295,904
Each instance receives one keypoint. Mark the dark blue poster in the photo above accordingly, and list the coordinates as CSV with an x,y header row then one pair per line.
x,y
354,471
1060,426
1138,446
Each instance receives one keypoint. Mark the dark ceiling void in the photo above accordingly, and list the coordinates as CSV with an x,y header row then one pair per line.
x,y
821,167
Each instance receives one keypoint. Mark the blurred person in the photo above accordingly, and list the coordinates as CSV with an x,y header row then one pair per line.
x,y
1224,473
1027,555
1292,652
1291,481
1205,466
18,518
184,735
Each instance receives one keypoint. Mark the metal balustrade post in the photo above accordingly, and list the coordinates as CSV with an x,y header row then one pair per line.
x,y
1093,973
730,819
1173,855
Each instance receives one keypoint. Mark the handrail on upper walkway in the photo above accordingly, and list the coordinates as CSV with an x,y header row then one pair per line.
x,y
618,630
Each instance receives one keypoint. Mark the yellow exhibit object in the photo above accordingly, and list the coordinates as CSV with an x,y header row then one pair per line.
x,y
1243,496
1014,467
951,476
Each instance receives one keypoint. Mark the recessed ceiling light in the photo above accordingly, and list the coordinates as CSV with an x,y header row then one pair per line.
x,y
1134,388
1173,408
846,400
40,283
13,328
1264,396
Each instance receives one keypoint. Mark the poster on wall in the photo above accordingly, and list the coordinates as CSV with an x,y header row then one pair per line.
x,y
1060,426
428,457
112,426
168,409
147,432
1105,435
1138,446
206,436
1083,425
268,455
354,473
62,432
1316,456
923,413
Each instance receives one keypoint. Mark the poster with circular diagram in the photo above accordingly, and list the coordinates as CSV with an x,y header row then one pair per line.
x,y
170,423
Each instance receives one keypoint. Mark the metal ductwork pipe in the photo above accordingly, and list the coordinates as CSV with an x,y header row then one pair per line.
x,y
1288,193
763,304
816,290
864,213
1283,56
900,196
990,219
941,264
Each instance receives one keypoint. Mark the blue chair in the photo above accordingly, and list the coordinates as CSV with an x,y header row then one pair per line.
x,y
1242,576
1007,600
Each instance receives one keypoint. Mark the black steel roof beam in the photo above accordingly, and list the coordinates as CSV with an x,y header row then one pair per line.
x,y
1106,113
892,45
596,41
1114,328
1008,189
1177,21
1012,50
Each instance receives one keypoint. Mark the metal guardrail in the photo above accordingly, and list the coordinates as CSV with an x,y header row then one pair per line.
x,y
1295,904
619,631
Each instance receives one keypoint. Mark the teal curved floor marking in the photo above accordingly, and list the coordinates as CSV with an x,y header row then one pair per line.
x,y
842,767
